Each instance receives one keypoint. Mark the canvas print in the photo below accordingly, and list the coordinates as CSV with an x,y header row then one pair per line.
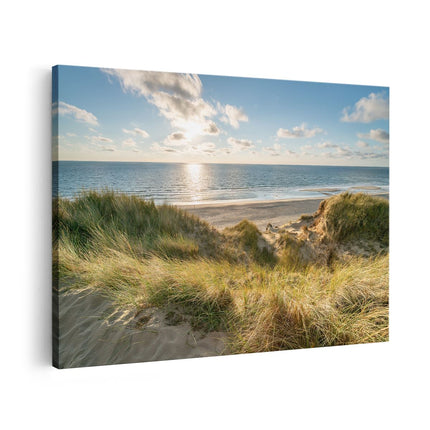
x,y
198,215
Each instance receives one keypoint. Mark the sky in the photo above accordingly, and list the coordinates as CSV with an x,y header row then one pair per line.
x,y
130,115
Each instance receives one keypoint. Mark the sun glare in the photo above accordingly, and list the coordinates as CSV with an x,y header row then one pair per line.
x,y
194,174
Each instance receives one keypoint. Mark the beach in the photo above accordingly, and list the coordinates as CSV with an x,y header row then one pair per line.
x,y
275,212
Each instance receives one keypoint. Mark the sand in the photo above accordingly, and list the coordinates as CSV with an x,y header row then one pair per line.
x,y
275,212
93,334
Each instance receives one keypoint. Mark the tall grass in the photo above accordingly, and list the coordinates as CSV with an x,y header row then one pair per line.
x,y
348,217
141,255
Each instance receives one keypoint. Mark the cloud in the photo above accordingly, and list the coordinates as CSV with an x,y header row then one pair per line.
x,y
179,110
205,148
147,83
176,136
240,144
176,96
212,129
129,143
97,139
378,135
176,139
346,152
362,144
62,108
99,143
338,151
298,132
274,151
136,132
367,109
161,148
232,115
327,145
306,147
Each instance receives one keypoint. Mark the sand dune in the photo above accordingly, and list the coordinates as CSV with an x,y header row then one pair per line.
x,y
92,334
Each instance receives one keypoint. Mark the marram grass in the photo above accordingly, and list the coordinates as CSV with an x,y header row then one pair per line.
x,y
141,255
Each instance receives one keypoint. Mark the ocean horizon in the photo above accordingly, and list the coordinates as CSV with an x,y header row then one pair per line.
x,y
181,183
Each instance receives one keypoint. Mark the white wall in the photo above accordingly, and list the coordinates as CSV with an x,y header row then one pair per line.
x,y
367,42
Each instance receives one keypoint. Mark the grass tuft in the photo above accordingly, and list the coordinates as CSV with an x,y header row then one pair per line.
x,y
347,217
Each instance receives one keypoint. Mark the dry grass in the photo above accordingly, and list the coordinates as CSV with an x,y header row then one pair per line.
x,y
142,256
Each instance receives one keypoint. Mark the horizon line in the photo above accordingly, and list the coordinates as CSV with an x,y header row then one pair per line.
x,y
240,164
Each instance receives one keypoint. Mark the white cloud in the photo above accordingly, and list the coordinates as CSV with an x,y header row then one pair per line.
x,y
274,150
232,115
147,83
339,152
306,147
298,132
347,152
362,144
161,148
99,143
240,144
378,135
136,132
62,108
179,110
327,145
129,143
176,96
367,109
208,148
96,139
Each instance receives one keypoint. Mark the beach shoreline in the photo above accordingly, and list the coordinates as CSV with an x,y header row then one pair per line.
x,y
260,212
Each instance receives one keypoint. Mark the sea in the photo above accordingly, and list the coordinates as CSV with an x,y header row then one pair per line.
x,y
178,183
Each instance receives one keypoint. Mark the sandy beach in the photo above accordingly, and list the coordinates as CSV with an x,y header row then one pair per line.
x,y
276,212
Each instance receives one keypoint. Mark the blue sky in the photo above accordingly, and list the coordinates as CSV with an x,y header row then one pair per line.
x,y
129,115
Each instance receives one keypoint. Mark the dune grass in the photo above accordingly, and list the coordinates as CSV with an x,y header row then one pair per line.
x,y
347,217
141,255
